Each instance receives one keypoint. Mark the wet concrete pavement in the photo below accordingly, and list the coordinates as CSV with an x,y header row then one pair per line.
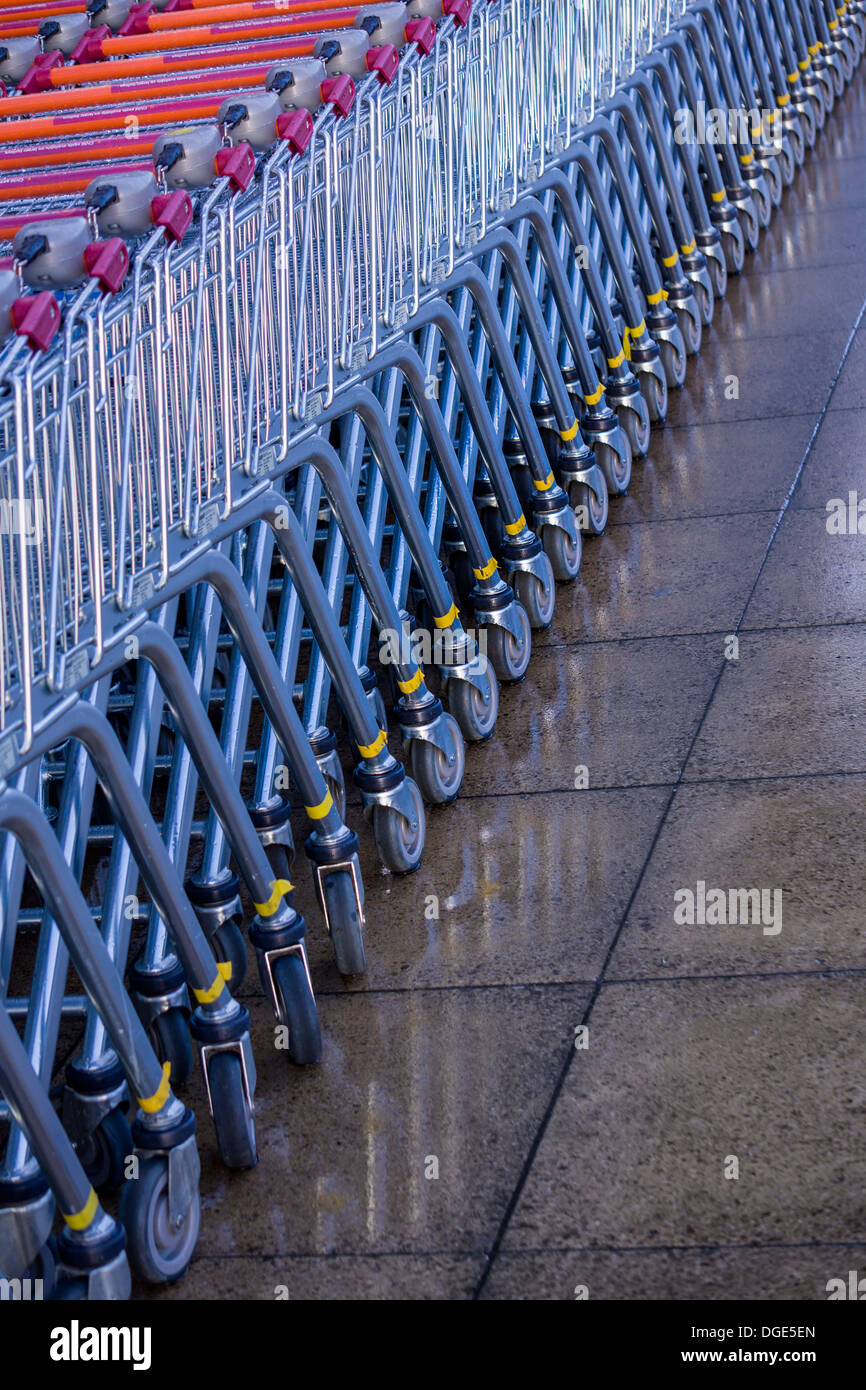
x,y
454,1142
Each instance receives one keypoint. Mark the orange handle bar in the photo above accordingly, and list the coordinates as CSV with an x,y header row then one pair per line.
x,y
273,50
222,33
125,93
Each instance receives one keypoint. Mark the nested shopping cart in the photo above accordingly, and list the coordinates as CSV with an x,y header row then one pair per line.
x,y
327,335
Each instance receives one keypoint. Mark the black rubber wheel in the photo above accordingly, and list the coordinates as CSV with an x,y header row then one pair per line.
x,y
509,656
229,944
438,780
103,1153
475,715
636,426
591,509
563,553
169,1033
719,275
232,1117
400,843
691,329
297,1007
615,464
674,363
159,1251
347,927
735,251
655,393
537,597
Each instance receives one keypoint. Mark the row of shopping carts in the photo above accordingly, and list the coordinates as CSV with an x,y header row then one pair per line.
x,y
327,334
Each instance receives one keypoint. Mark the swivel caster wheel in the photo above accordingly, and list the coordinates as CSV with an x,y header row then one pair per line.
x,y
537,597
400,842
296,1006
636,427
615,464
563,553
509,656
475,714
591,508
232,1113
734,248
674,363
438,779
159,1248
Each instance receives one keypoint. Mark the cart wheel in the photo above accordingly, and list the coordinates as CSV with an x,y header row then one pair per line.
x,y
232,1114
636,425
347,936
806,113
590,509
751,230
763,204
508,655
297,1008
615,464
102,1154
674,363
798,144
537,597
773,175
719,276
690,327
735,251
400,844
562,552
655,393
159,1250
475,715
169,1033
228,944
438,780
706,302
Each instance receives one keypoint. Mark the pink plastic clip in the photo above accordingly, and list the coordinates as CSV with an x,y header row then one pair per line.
x,y
340,92
422,32
458,10
236,163
297,128
136,20
36,318
89,46
172,212
384,62
38,77
107,262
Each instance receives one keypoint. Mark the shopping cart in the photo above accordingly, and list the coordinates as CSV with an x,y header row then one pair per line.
x,y
326,333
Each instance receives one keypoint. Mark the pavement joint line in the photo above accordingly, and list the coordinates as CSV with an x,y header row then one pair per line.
x,y
541,1130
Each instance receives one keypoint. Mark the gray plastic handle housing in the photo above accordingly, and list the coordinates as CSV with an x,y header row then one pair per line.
x,y
18,56
128,214
392,17
195,168
258,126
71,28
351,57
62,262
304,91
